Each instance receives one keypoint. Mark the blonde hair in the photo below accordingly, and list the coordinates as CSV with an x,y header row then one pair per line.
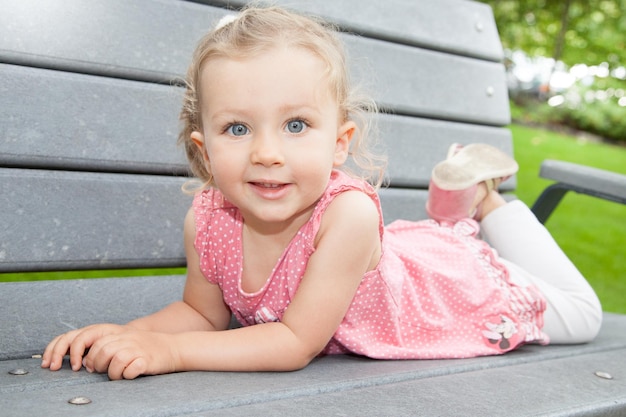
x,y
257,29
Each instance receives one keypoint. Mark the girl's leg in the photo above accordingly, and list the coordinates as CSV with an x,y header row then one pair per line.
x,y
574,313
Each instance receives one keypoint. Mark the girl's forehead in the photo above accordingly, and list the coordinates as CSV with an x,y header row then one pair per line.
x,y
293,64
280,78
250,54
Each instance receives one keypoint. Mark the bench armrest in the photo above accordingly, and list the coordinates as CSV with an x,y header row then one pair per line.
x,y
581,179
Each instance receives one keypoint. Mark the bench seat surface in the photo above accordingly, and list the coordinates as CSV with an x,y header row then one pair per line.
x,y
546,380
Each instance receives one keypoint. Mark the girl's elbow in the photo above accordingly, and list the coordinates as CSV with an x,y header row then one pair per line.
x,y
293,350
297,362
297,359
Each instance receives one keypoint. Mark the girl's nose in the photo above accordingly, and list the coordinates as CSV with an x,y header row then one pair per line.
x,y
267,150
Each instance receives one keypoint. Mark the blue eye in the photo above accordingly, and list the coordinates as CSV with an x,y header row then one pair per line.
x,y
237,129
296,126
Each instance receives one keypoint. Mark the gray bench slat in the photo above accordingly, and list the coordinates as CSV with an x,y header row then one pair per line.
x,y
415,145
111,37
88,122
475,89
73,229
595,182
411,81
565,373
547,388
42,310
609,184
465,28
552,387
160,46
71,220
115,130
403,204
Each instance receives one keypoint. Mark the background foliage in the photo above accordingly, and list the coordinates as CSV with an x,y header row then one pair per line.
x,y
572,32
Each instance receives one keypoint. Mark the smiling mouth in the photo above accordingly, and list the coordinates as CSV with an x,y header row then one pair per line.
x,y
270,190
268,185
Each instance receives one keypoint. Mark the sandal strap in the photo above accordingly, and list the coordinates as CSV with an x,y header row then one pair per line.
x,y
492,184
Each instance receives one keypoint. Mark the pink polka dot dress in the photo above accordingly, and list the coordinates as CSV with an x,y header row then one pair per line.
x,y
437,292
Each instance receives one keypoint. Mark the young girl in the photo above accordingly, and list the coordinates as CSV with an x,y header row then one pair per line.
x,y
296,248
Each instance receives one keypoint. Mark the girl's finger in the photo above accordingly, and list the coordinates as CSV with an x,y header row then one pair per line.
x,y
135,368
121,364
56,350
100,354
81,343
47,358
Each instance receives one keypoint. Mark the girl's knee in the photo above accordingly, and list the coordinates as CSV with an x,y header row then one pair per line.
x,y
591,327
594,319
578,322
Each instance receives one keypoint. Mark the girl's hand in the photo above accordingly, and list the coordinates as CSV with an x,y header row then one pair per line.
x,y
122,351
131,353
76,343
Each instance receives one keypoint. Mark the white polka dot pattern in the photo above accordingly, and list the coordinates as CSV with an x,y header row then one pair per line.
x,y
438,291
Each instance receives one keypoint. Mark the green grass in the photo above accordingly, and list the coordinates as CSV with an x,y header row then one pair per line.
x,y
591,231
104,273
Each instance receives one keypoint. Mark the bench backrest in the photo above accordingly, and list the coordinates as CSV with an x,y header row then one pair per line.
x,y
90,173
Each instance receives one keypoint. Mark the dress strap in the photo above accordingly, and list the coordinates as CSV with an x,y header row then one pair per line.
x,y
339,183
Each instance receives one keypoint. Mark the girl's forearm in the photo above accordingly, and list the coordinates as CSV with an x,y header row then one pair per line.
x,y
175,318
263,347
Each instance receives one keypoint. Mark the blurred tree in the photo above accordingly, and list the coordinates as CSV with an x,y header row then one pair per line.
x,y
574,31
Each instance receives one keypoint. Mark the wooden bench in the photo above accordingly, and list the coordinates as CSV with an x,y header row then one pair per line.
x,y
90,178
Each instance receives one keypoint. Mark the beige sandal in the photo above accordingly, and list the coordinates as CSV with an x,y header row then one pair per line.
x,y
454,182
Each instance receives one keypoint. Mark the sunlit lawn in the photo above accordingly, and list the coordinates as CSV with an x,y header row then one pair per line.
x,y
591,231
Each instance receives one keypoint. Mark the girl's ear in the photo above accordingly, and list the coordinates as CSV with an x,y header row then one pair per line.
x,y
198,139
342,145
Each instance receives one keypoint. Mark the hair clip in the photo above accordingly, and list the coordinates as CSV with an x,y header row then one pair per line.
x,y
225,20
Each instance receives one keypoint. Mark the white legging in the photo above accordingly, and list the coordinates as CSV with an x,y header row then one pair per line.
x,y
573,313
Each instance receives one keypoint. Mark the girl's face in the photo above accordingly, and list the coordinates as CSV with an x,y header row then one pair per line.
x,y
272,133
